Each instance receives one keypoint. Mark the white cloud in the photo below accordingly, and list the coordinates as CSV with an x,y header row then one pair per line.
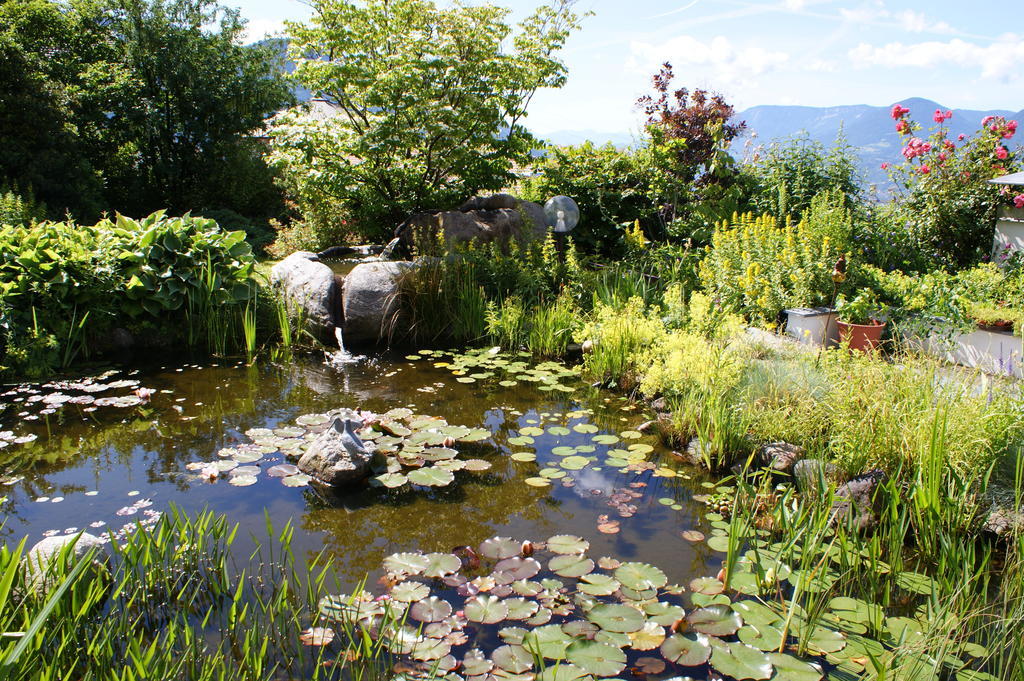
x,y
726,63
917,22
997,60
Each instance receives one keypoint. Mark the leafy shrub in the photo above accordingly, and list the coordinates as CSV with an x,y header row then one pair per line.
x,y
759,268
946,203
20,209
62,285
791,173
612,187
552,326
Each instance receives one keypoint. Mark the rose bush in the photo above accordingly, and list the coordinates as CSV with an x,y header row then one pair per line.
x,y
944,200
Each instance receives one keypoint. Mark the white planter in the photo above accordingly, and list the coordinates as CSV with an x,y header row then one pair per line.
x,y
999,354
1009,230
813,326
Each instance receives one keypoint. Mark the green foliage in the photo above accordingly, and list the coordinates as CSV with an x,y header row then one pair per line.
x,y
135,104
172,603
945,204
612,188
620,335
63,286
431,105
551,327
758,268
20,210
860,309
791,173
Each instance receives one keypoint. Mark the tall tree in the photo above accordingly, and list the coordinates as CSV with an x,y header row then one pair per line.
x,y
133,105
432,104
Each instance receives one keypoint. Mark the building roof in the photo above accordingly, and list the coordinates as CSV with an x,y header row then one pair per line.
x,y
1014,179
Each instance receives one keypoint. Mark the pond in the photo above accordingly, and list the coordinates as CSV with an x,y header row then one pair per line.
x,y
564,458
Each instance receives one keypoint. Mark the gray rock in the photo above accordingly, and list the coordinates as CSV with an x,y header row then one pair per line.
x,y
499,218
370,301
312,291
337,457
781,456
42,554
1003,521
812,476
859,499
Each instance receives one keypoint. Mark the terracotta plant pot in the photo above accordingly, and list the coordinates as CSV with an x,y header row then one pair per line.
x,y
996,326
863,337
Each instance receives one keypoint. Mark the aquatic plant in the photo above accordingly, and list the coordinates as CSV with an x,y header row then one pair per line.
x,y
557,614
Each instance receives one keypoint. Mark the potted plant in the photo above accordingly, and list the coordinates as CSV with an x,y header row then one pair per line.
x,y
997,318
858,326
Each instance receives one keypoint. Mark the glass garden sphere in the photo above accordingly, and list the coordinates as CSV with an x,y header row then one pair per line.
x,y
562,212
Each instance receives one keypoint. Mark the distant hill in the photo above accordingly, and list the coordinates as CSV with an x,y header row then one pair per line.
x,y
868,129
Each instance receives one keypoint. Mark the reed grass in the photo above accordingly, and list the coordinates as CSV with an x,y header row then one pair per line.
x,y
171,603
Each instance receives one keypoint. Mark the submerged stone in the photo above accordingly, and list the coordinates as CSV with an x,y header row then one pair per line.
x,y
337,457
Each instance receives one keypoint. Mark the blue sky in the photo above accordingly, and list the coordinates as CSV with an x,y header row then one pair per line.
x,y
809,52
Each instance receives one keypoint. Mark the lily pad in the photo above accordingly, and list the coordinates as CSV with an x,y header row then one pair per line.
x,y
282,470
521,608
650,637
409,592
764,637
562,672
431,477
485,609
512,658
688,650
740,661
523,457
640,576
406,563
549,641
300,480
596,584
616,618
441,564
599,659
567,544
790,668
715,620
391,480
573,565
431,609
517,568
500,547
242,480
707,585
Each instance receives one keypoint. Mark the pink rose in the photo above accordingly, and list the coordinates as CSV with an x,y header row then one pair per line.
x,y
902,126
898,111
938,117
942,156
925,169
885,166
1001,153
986,120
1012,126
960,137
925,148
949,114
1018,201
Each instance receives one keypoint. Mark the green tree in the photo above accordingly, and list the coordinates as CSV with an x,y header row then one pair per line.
x,y
134,105
49,56
432,104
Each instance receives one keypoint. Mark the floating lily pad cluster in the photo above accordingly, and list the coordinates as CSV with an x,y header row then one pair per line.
x,y
511,368
522,611
29,401
413,450
419,450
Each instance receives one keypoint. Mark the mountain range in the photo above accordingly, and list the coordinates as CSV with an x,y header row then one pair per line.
x,y
869,130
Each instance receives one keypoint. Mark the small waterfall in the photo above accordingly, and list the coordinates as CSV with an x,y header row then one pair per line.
x,y
389,249
342,356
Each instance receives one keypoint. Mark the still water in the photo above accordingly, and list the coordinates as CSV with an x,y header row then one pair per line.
x,y
99,467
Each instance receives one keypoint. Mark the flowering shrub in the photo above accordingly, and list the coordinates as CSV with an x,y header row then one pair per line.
x,y
759,268
945,201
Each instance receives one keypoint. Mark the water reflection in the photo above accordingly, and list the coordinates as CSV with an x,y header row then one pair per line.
x,y
197,410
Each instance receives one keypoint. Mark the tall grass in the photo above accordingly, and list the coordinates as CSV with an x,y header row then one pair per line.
x,y
170,604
